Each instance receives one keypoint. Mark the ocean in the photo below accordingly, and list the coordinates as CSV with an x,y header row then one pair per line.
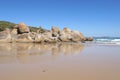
x,y
107,40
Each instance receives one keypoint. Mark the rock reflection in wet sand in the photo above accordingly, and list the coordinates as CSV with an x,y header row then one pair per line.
x,y
28,52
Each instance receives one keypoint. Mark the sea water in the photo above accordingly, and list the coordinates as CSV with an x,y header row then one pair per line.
x,y
107,40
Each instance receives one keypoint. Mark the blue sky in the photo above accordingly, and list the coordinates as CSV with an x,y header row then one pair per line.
x,y
91,17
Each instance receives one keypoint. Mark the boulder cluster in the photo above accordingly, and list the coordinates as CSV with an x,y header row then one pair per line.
x,y
22,33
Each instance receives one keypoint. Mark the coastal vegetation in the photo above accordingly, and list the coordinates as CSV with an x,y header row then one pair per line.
x,y
6,24
10,25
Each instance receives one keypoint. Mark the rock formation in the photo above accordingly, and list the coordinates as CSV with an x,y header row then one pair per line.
x,y
5,36
22,28
88,39
21,33
55,31
65,35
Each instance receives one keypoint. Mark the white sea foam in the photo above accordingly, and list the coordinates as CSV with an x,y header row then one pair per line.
x,y
109,41
115,40
102,39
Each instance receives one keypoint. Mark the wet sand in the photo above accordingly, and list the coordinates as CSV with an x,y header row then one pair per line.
x,y
67,61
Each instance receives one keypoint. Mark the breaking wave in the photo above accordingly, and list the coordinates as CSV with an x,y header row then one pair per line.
x,y
115,41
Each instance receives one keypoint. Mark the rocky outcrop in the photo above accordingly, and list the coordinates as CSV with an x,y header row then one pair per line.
x,y
21,33
67,30
13,34
55,31
47,37
38,38
88,39
75,36
82,36
26,37
65,35
22,28
5,36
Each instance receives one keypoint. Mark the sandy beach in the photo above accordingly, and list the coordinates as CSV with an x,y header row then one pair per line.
x,y
68,61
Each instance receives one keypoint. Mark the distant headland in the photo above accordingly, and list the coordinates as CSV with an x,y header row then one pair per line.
x,y
11,32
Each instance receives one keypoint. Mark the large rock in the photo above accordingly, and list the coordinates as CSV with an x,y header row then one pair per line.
x,y
47,37
55,31
22,28
67,30
82,36
14,31
39,38
77,36
65,35
13,35
88,39
26,37
5,36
